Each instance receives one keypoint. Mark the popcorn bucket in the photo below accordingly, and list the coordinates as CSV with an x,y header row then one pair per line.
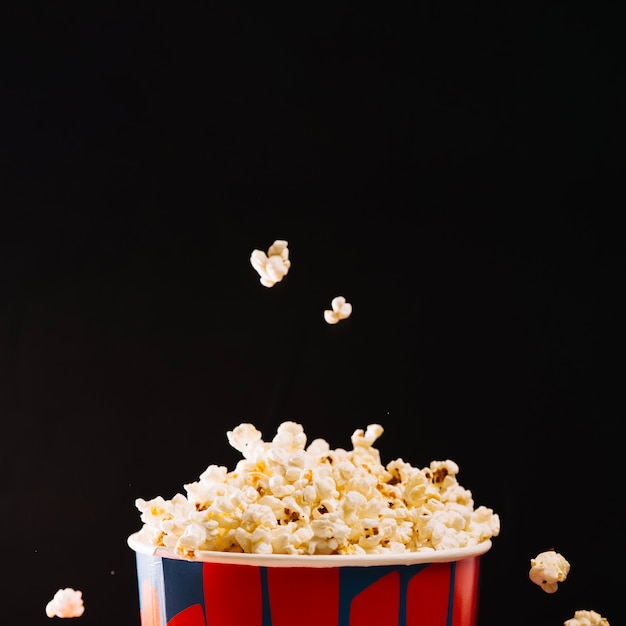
x,y
434,588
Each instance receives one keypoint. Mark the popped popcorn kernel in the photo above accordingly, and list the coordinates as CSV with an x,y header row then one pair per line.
x,y
586,618
548,569
273,266
284,497
66,602
341,310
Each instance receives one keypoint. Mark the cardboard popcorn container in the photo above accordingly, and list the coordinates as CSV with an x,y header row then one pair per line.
x,y
432,588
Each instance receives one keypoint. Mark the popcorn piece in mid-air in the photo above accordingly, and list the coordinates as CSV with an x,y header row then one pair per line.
x,y
66,602
548,569
586,618
273,266
340,311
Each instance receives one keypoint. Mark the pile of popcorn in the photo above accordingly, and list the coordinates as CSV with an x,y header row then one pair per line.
x,y
286,498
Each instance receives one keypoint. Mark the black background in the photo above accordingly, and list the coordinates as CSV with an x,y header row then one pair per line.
x,y
454,171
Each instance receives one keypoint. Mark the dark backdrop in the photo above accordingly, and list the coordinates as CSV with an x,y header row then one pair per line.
x,y
451,170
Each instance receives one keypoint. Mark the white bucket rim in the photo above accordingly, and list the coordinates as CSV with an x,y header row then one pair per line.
x,y
314,560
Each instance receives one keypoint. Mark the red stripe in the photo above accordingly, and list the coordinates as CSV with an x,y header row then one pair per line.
x,y
427,597
465,611
378,604
304,596
191,616
232,594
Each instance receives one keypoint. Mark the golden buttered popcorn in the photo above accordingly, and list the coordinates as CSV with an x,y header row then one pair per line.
x,y
285,497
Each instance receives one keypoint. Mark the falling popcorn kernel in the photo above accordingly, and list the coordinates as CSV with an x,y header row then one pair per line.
x,y
273,266
66,602
586,618
340,311
548,569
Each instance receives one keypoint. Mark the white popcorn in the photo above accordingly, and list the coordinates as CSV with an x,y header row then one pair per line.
x,y
341,310
66,602
586,618
484,524
283,497
548,569
243,437
273,266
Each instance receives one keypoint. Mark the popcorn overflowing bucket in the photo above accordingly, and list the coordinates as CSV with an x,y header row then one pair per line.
x,y
426,588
